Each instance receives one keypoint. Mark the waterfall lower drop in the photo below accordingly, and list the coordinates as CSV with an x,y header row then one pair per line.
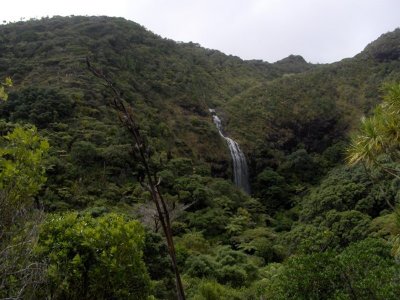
x,y
240,171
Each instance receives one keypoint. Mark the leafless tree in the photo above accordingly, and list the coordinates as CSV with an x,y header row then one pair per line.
x,y
128,120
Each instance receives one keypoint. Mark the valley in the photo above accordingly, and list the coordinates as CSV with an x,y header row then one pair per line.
x,y
262,201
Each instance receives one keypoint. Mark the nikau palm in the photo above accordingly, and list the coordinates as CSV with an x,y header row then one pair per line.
x,y
379,134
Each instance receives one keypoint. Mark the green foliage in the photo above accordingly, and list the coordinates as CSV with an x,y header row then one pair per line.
x,y
307,277
370,271
272,189
3,93
84,153
202,266
94,257
290,117
37,106
300,166
194,243
347,188
352,274
380,132
22,175
207,289
22,172
385,48
227,266
211,221
385,226
335,231
259,241
236,269
180,166
348,226
307,238
239,222
158,264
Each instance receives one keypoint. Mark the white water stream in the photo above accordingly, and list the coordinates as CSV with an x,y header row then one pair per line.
x,y
240,170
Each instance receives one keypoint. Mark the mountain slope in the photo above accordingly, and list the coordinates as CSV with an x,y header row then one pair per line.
x,y
277,107
313,228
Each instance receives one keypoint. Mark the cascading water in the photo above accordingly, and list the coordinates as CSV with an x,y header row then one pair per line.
x,y
240,170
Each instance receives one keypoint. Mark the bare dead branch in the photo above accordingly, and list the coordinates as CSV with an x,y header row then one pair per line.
x,y
128,120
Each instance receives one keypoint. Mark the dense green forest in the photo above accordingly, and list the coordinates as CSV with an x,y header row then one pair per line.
x,y
76,217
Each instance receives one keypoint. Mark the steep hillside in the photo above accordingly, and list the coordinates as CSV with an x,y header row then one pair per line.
x,y
314,109
312,227
346,89
172,85
269,108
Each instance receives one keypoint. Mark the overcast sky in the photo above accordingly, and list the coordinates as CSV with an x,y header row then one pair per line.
x,y
320,30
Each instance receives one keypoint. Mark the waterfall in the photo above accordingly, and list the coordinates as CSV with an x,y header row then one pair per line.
x,y
240,170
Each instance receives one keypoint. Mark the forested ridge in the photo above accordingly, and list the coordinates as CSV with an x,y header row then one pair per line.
x,y
76,217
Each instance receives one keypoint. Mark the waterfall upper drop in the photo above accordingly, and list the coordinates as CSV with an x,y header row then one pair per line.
x,y
240,170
